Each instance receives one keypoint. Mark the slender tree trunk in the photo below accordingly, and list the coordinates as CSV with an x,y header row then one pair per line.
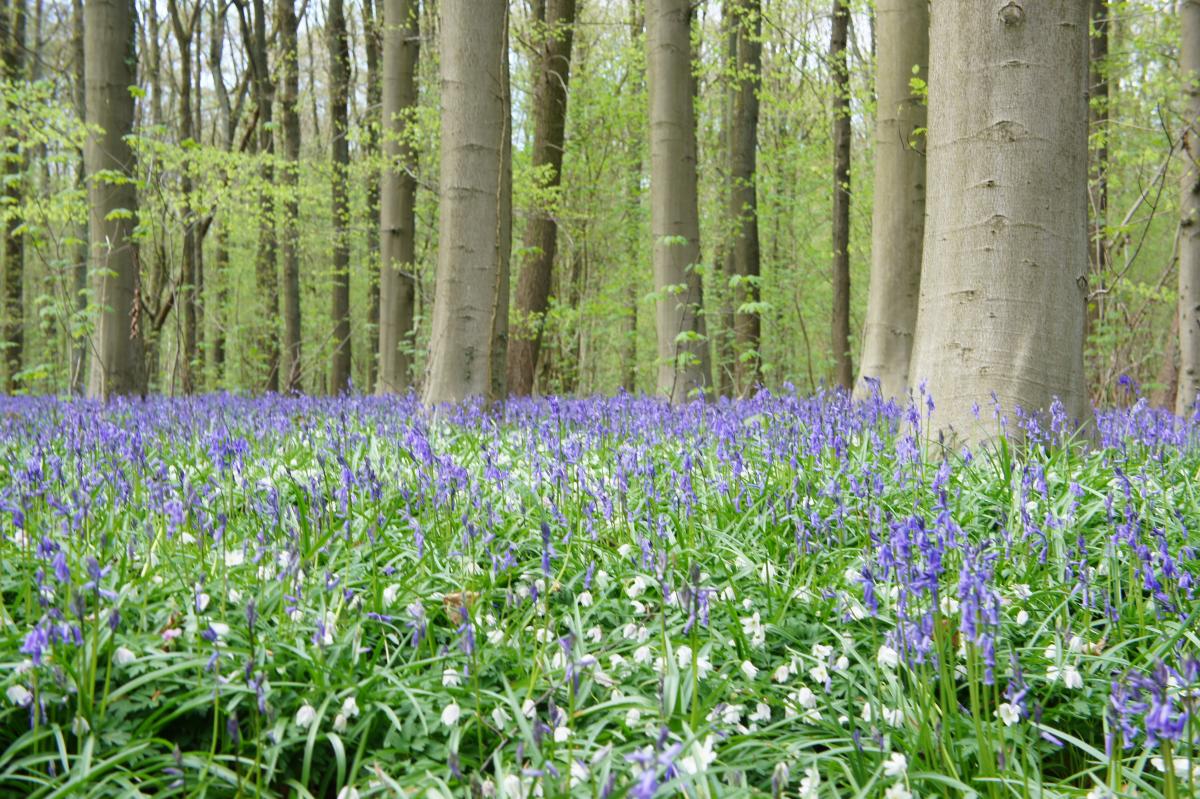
x,y
111,57
183,25
674,218
637,24
372,34
226,126
1168,371
339,89
12,42
473,254
1098,107
1189,209
1005,270
898,216
552,37
398,194
289,111
79,252
840,329
743,256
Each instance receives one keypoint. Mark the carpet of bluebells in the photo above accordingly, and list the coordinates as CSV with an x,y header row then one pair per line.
x,y
786,596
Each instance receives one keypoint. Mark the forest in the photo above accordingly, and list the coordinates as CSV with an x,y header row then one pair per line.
x,y
267,204
765,399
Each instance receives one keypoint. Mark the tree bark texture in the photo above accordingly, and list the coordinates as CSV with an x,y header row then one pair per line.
x,y
13,46
843,373
339,90
289,112
1189,209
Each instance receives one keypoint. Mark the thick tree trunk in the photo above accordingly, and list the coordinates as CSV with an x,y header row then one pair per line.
x,y
743,256
552,37
674,218
79,253
339,90
266,270
473,234
373,38
183,24
1005,271
898,216
111,58
843,371
13,45
289,111
398,194
1189,209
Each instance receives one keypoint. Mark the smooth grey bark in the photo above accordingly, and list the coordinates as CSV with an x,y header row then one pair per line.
x,y
474,233
674,218
184,25
13,46
1005,271
839,336
744,254
552,37
397,195
339,90
117,360
898,214
1189,209
289,240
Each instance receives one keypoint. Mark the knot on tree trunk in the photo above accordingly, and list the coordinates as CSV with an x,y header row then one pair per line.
x,y
1013,13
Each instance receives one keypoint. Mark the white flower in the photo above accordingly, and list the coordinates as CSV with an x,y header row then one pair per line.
x,y
842,663
641,654
701,757
1021,591
752,627
389,595
866,715
561,734
893,717
616,663
887,657
781,673
949,606
350,707
1008,713
639,608
584,600
601,579
349,792
451,714
80,726
767,572
202,602
703,667
762,712
528,709
305,716
495,637
896,765
731,714
632,717
220,628
819,674
1022,617
636,588
123,656
339,722
684,656
511,786
594,634
822,651
450,678
749,669
898,791
1072,679
810,784
500,717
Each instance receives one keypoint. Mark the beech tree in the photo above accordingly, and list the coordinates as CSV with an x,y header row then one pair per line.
x,y
898,215
840,317
13,48
111,58
289,111
1189,211
674,217
470,305
397,193
339,90
553,31
1004,279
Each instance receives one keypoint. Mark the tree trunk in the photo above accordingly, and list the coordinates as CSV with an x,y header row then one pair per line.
x,y
1189,209
183,24
79,253
473,251
266,270
1098,113
898,216
339,90
840,330
13,45
1167,382
372,36
398,193
289,110
1005,271
743,265
111,58
552,37
674,218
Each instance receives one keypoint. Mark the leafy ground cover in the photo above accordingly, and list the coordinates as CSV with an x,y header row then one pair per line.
x,y
786,596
